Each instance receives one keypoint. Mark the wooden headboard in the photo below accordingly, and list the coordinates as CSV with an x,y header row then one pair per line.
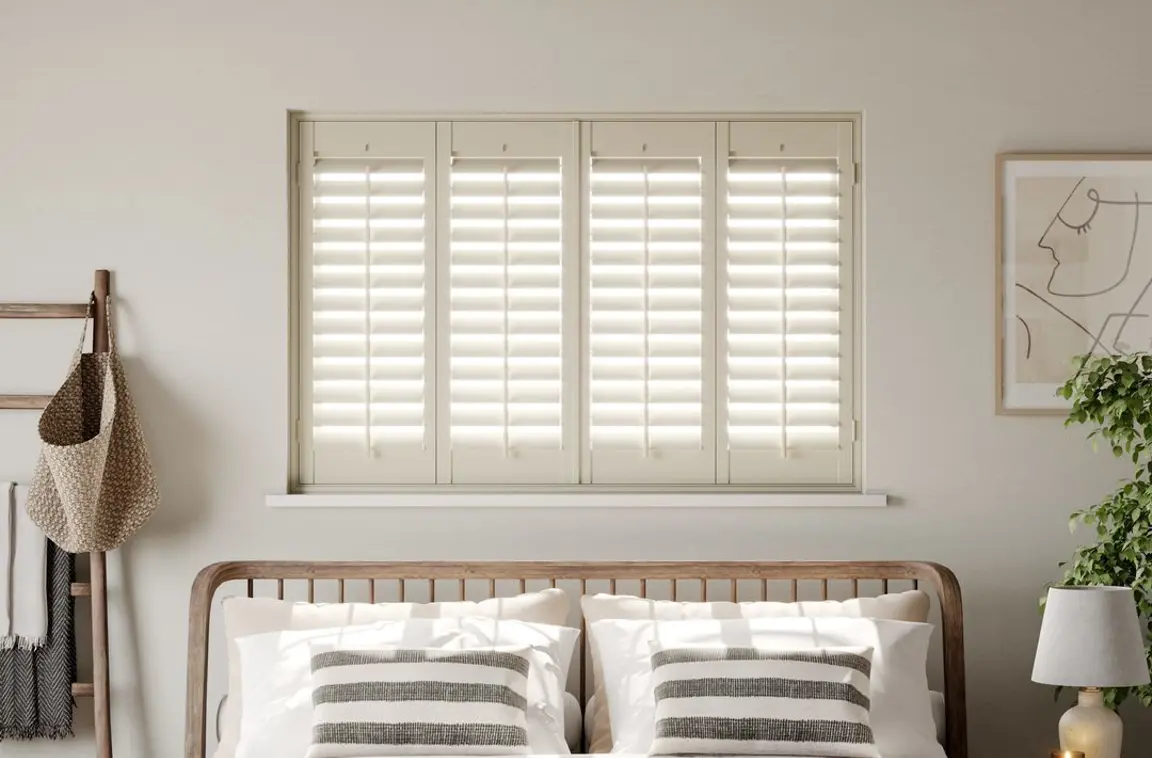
x,y
786,581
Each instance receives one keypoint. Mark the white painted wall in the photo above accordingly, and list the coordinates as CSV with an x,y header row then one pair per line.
x,y
149,138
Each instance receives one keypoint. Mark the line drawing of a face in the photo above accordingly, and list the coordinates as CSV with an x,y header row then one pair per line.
x,y
1097,252
1105,226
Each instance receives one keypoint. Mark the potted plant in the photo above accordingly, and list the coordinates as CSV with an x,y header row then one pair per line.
x,y
1114,395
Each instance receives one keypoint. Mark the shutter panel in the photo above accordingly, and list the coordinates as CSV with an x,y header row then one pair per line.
x,y
650,323
786,303
367,241
508,357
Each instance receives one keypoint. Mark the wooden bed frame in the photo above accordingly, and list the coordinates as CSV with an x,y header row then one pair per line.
x,y
941,579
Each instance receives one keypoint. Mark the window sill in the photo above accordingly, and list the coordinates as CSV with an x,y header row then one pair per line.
x,y
580,500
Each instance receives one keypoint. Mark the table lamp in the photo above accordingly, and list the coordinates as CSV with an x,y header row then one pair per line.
x,y
1091,638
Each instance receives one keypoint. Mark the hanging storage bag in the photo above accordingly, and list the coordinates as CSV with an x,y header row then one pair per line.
x,y
93,486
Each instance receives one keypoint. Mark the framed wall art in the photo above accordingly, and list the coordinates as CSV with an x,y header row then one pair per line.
x,y
1073,269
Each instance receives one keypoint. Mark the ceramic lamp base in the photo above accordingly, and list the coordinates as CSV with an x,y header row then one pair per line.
x,y
1091,727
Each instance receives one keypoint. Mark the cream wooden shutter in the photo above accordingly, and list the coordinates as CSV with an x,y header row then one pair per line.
x,y
367,237
508,366
785,304
649,310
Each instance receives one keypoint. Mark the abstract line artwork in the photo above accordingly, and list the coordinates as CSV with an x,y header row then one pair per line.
x,y
1074,269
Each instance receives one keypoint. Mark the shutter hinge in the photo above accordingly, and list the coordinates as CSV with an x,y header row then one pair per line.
x,y
856,173
296,173
855,430
296,430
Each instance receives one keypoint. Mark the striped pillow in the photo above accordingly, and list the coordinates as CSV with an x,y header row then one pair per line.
x,y
418,702
751,701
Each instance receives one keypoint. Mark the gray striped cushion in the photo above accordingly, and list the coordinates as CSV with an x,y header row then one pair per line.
x,y
418,702
750,701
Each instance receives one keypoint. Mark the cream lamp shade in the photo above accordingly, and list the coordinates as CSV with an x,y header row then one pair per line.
x,y
1091,637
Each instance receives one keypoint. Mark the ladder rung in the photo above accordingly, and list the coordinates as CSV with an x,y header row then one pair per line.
x,y
83,689
24,402
81,589
43,310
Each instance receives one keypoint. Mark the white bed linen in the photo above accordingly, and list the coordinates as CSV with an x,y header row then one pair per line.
x,y
247,616
277,692
912,605
939,715
901,707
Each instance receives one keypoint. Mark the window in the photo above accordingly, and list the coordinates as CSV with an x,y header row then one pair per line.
x,y
623,304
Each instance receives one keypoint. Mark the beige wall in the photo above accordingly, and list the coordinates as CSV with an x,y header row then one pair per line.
x,y
151,140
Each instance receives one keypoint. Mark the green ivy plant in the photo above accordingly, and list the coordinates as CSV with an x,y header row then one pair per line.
x,y
1114,395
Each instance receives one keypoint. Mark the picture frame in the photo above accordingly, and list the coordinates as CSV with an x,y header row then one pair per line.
x,y
1073,269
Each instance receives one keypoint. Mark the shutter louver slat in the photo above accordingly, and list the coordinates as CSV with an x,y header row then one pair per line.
x,y
368,334
506,303
646,304
785,303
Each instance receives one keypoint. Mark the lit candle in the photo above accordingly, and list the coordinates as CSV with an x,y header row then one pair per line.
x,y
1067,754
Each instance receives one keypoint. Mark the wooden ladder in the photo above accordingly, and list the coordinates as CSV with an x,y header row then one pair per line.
x,y
97,586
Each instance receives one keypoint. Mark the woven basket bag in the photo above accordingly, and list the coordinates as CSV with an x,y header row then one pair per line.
x,y
94,485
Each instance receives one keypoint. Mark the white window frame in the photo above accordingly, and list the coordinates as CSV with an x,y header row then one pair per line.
x,y
678,495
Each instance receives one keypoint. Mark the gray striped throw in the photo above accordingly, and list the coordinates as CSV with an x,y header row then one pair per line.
x,y
418,702
750,701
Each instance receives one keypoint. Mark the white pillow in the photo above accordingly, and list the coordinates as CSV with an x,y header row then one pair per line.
x,y
939,715
277,687
593,705
573,722
912,605
244,616
901,713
